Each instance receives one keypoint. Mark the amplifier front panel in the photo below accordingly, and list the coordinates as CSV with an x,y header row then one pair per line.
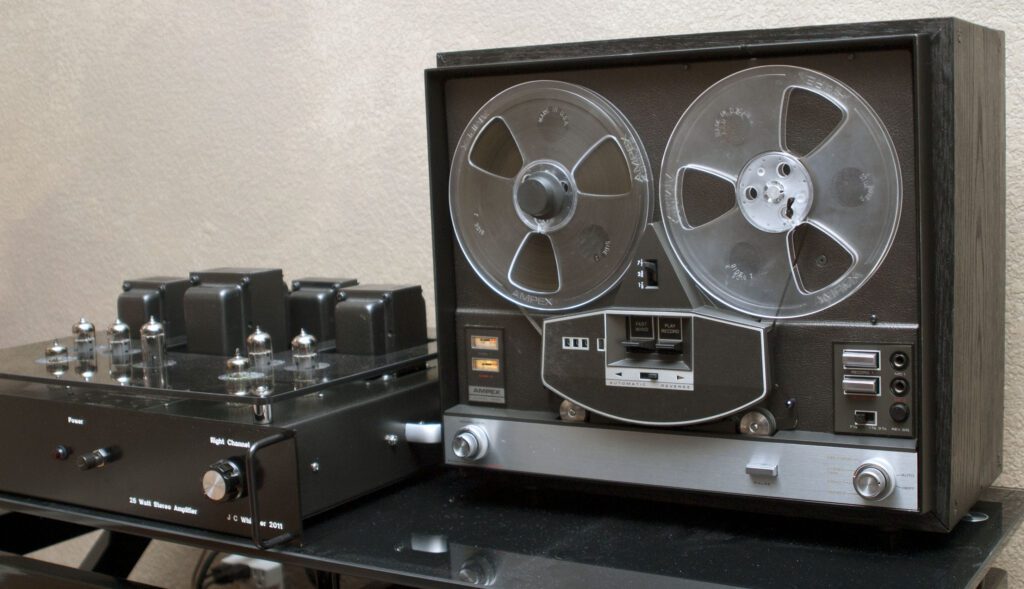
x,y
156,464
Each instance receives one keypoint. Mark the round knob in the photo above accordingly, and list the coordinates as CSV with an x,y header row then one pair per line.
x,y
470,443
572,412
872,481
899,412
541,195
222,481
759,422
478,570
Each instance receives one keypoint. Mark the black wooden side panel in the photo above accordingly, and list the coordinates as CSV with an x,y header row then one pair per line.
x,y
979,282
441,232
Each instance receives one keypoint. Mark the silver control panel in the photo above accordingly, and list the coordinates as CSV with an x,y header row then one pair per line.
x,y
773,467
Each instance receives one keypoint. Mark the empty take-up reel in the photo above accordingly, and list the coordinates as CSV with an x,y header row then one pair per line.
x,y
787,212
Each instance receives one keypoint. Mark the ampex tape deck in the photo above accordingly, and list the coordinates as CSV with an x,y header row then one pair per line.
x,y
761,270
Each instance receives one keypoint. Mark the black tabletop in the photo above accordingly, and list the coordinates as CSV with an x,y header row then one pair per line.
x,y
450,528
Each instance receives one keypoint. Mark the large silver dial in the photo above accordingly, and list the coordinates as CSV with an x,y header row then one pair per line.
x,y
873,481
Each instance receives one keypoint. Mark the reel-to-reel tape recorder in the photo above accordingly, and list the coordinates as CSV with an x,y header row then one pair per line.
x,y
753,265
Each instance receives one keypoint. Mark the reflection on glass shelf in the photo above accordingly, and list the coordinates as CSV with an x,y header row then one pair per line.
x,y
185,375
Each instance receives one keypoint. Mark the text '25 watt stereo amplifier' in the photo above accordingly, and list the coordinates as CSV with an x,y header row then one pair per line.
x,y
762,269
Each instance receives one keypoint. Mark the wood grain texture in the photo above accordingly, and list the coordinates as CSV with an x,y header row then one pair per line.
x,y
979,281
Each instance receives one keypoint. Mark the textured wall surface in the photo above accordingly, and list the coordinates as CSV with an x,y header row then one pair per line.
x,y
141,138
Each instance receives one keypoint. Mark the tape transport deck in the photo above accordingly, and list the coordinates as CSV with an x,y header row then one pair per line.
x,y
762,270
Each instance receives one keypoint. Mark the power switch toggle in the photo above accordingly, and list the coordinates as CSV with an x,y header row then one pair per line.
x,y
96,459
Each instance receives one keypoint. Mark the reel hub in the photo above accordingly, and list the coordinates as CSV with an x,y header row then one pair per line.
x,y
774,192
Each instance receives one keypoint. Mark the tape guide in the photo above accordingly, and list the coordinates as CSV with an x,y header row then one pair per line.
x,y
762,269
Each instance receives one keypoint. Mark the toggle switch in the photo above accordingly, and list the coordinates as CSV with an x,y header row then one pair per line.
x,y
96,459
647,274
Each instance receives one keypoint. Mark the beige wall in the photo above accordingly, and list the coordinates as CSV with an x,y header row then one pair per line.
x,y
139,138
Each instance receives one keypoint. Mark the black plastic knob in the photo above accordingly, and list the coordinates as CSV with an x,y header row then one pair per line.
x,y
899,412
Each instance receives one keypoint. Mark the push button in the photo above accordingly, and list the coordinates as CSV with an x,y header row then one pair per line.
x,y
860,385
862,359
899,412
641,327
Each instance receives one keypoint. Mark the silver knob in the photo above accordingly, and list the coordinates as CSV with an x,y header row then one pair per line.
x,y
222,481
758,422
470,443
572,412
872,481
478,570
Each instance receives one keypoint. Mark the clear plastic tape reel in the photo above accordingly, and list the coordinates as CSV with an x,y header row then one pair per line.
x,y
549,193
847,187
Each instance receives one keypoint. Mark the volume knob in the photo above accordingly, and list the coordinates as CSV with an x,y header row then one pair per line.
x,y
222,481
470,443
873,481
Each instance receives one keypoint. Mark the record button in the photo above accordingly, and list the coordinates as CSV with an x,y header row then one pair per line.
x,y
670,329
